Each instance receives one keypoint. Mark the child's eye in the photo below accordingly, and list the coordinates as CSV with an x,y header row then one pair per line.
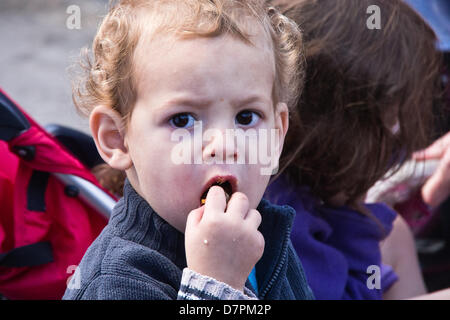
x,y
182,120
247,118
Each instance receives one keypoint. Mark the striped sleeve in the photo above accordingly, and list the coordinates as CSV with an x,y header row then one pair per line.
x,y
195,286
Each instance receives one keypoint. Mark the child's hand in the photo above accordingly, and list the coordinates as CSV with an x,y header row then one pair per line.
x,y
224,245
437,189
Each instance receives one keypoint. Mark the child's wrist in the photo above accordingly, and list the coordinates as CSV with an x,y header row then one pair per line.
x,y
195,285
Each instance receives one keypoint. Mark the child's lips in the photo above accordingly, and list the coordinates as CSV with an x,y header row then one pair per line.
x,y
227,183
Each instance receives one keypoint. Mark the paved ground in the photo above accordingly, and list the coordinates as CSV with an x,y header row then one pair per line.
x,y
36,50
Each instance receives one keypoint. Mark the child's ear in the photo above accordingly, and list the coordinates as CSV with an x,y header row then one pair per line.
x,y
107,131
281,123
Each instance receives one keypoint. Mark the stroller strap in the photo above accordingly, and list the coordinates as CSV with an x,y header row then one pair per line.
x,y
27,256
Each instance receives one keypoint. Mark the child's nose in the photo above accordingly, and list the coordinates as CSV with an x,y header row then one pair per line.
x,y
219,147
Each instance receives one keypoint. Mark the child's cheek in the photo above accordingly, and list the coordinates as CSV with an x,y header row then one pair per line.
x,y
256,184
177,182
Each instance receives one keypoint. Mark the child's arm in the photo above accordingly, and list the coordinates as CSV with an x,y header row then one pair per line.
x,y
223,242
398,250
438,295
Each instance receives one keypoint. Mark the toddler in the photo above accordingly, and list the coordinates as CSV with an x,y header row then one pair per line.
x,y
160,70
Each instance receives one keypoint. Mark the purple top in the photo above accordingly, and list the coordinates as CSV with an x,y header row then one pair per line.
x,y
336,245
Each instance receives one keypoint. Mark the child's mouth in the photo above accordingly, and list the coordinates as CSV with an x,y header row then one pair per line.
x,y
228,184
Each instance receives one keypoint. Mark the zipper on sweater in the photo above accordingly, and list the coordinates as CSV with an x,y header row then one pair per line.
x,y
280,265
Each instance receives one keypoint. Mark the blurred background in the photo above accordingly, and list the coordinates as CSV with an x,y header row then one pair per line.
x,y
37,48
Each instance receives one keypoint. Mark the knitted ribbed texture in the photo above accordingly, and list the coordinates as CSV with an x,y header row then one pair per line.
x,y
195,286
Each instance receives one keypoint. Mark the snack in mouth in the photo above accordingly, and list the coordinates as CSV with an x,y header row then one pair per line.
x,y
225,185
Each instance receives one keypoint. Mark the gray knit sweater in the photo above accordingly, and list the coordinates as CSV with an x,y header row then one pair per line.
x,y
139,255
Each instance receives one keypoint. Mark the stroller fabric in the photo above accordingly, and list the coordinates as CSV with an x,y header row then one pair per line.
x,y
45,228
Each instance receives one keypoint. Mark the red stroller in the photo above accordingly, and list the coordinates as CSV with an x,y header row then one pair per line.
x,y
52,207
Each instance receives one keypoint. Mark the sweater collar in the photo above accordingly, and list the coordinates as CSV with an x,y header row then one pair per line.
x,y
134,219
276,227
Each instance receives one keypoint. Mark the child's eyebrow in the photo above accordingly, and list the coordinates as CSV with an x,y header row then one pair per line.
x,y
251,99
188,102
203,103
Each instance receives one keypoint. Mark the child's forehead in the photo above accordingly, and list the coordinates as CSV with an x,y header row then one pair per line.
x,y
155,43
152,47
198,65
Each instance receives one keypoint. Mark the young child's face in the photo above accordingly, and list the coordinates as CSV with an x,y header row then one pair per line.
x,y
223,83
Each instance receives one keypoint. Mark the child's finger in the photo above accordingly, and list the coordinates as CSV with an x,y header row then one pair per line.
x,y
435,150
254,218
437,189
238,205
195,216
215,200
